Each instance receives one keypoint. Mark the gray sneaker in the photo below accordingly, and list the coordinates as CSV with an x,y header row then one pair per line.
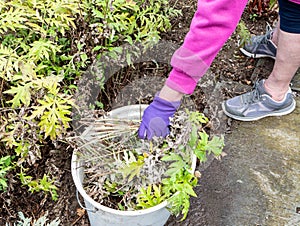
x,y
258,104
261,46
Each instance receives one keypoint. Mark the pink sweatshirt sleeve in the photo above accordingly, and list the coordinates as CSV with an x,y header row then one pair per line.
x,y
211,26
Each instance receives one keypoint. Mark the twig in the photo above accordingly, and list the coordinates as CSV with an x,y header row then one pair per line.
x,y
81,215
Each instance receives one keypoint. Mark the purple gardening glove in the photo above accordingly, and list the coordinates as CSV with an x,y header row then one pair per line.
x,y
155,120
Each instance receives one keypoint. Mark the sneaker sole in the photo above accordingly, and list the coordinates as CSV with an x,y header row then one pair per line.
x,y
282,112
255,56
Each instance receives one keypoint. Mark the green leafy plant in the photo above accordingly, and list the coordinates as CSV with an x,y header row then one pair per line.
x,y
243,33
151,196
253,16
179,188
180,181
44,48
32,69
123,21
5,167
44,184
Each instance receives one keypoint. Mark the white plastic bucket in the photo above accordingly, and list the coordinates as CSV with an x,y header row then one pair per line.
x,y
100,215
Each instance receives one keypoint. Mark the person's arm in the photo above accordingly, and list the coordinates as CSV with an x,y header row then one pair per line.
x,y
212,24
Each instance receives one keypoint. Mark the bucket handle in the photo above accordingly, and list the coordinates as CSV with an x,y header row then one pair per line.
x,y
80,204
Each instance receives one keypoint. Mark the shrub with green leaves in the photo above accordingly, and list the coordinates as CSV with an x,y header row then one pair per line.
x,y
44,48
32,70
29,55
113,23
131,20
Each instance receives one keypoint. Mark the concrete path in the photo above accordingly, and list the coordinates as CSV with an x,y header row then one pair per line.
x,y
258,182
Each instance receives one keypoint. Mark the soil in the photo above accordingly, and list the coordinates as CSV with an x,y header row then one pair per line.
x,y
230,64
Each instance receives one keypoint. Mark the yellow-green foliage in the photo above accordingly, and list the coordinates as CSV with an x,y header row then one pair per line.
x,y
31,69
131,20
40,57
29,31
243,33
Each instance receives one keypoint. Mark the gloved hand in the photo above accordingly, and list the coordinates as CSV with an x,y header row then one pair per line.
x,y
155,120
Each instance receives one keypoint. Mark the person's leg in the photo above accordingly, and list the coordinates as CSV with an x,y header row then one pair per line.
x,y
273,97
287,38
275,32
286,64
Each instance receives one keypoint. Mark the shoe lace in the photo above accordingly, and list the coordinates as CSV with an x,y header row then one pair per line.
x,y
262,39
253,96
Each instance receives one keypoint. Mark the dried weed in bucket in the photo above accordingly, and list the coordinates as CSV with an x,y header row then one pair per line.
x,y
126,173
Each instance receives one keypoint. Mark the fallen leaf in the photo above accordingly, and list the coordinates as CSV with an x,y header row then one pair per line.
x,y
80,212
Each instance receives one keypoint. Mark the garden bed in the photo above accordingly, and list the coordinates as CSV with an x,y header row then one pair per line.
x,y
229,65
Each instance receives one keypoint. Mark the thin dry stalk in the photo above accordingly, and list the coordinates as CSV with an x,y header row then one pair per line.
x,y
110,150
